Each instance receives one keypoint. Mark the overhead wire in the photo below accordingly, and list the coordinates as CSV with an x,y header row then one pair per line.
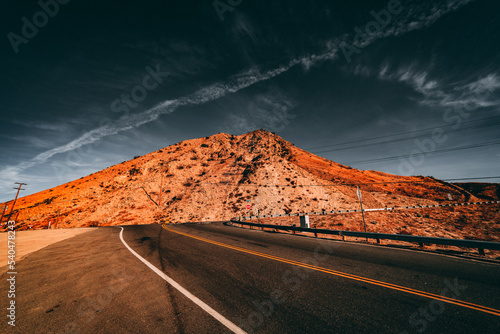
x,y
423,153
399,134
405,139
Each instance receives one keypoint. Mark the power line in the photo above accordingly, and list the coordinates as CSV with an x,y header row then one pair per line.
x,y
424,153
398,134
405,139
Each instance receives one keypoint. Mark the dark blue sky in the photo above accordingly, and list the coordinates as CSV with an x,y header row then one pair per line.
x,y
405,87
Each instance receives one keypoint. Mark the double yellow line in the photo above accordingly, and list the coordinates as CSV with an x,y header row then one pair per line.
x,y
350,276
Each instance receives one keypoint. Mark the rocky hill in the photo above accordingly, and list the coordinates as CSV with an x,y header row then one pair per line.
x,y
217,177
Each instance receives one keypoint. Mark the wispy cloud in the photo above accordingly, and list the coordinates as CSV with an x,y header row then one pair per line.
x,y
202,96
416,18
475,94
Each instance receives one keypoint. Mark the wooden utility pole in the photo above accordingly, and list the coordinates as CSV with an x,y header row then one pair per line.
x,y
3,212
362,211
161,189
17,194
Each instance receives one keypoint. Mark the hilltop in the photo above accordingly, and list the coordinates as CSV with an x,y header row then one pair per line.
x,y
214,178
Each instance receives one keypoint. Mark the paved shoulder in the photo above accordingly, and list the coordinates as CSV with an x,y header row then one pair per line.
x,y
92,284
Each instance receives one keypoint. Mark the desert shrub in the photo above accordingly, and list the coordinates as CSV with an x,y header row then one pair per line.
x,y
134,171
49,200
137,156
204,145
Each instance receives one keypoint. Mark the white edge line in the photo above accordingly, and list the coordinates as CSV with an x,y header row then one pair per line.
x,y
186,293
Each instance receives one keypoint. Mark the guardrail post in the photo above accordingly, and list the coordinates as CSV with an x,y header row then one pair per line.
x,y
420,240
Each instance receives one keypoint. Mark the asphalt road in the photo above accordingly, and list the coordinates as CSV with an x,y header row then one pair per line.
x,y
256,280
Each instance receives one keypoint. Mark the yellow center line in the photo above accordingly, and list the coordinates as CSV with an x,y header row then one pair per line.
x,y
350,276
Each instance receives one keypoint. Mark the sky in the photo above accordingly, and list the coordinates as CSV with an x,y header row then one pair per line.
x,y
405,87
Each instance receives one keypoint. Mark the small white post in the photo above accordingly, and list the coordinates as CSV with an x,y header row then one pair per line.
x,y
304,221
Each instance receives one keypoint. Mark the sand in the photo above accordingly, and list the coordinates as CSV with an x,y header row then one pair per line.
x,y
30,241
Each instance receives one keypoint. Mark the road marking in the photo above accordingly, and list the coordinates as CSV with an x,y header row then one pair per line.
x,y
350,276
186,293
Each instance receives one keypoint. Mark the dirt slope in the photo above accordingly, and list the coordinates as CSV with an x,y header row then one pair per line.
x,y
216,177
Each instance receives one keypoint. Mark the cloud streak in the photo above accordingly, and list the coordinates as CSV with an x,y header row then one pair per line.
x,y
415,19
476,94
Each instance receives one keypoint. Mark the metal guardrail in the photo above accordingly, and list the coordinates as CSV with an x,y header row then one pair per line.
x,y
368,210
480,245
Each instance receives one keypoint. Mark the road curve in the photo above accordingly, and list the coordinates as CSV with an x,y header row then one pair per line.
x,y
262,282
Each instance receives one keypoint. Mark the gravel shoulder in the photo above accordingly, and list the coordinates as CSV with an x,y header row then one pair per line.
x,y
28,241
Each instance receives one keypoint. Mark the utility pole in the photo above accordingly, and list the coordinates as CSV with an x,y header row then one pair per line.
x,y
161,189
17,194
56,219
362,211
3,213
